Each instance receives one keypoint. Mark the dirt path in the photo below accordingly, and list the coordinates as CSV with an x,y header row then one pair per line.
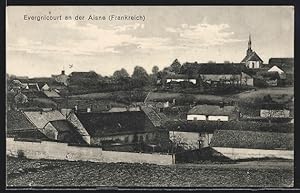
x,y
245,164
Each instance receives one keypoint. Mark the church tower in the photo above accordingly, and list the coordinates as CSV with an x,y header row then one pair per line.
x,y
249,50
251,60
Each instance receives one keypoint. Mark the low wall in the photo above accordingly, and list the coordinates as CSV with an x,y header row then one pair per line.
x,y
244,153
129,157
62,151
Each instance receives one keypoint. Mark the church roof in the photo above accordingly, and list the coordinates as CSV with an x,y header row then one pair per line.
x,y
252,57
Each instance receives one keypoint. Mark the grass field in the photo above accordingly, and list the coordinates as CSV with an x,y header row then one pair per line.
x,y
284,92
277,91
24,172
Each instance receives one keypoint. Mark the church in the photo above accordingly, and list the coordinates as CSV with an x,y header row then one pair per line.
x,y
252,60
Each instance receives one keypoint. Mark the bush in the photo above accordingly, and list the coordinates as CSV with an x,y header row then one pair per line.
x,y
21,154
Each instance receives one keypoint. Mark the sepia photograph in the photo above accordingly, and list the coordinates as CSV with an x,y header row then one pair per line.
x,y
149,96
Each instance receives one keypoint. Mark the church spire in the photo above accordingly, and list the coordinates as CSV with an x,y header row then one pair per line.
x,y
249,42
249,50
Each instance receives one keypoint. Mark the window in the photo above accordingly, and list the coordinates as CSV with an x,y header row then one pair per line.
x,y
126,139
141,138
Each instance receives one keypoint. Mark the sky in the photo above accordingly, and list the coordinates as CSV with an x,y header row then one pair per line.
x,y
188,33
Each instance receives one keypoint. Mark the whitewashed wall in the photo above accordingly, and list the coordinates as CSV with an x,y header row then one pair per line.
x,y
190,140
181,80
196,117
274,113
244,153
61,151
216,118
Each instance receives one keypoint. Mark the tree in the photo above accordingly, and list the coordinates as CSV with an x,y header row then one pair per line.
x,y
140,76
155,70
20,98
119,74
175,66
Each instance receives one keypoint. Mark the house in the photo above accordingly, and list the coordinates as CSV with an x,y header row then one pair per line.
x,y
59,88
180,78
212,113
54,125
43,86
285,64
120,127
84,75
123,109
33,87
51,93
61,78
276,69
246,79
272,78
274,111
190,139
156,118
65,132
226,73
237,144
18,126
252,60
159,106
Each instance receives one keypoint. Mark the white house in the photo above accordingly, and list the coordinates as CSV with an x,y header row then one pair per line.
x,y
61,78
190,140
180,78
212,113
274,113
276,69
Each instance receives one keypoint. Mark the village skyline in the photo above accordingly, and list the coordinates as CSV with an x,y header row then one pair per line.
x,y
203,35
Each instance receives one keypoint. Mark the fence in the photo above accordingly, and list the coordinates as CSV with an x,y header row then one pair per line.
x,y
62,151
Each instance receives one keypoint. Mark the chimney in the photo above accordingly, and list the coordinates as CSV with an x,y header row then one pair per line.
x,y
62,72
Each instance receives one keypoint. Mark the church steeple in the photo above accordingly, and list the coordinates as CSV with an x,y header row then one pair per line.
x,y
249,50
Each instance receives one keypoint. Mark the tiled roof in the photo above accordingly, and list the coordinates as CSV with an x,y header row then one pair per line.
x,y
41,118
252,139
286,64
99,123
118,109
51,94
211,110
37,80
221,68
34,94
62,125
73,119
17,120
19,126
289,61
68,130
156,119
180,76
252,57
